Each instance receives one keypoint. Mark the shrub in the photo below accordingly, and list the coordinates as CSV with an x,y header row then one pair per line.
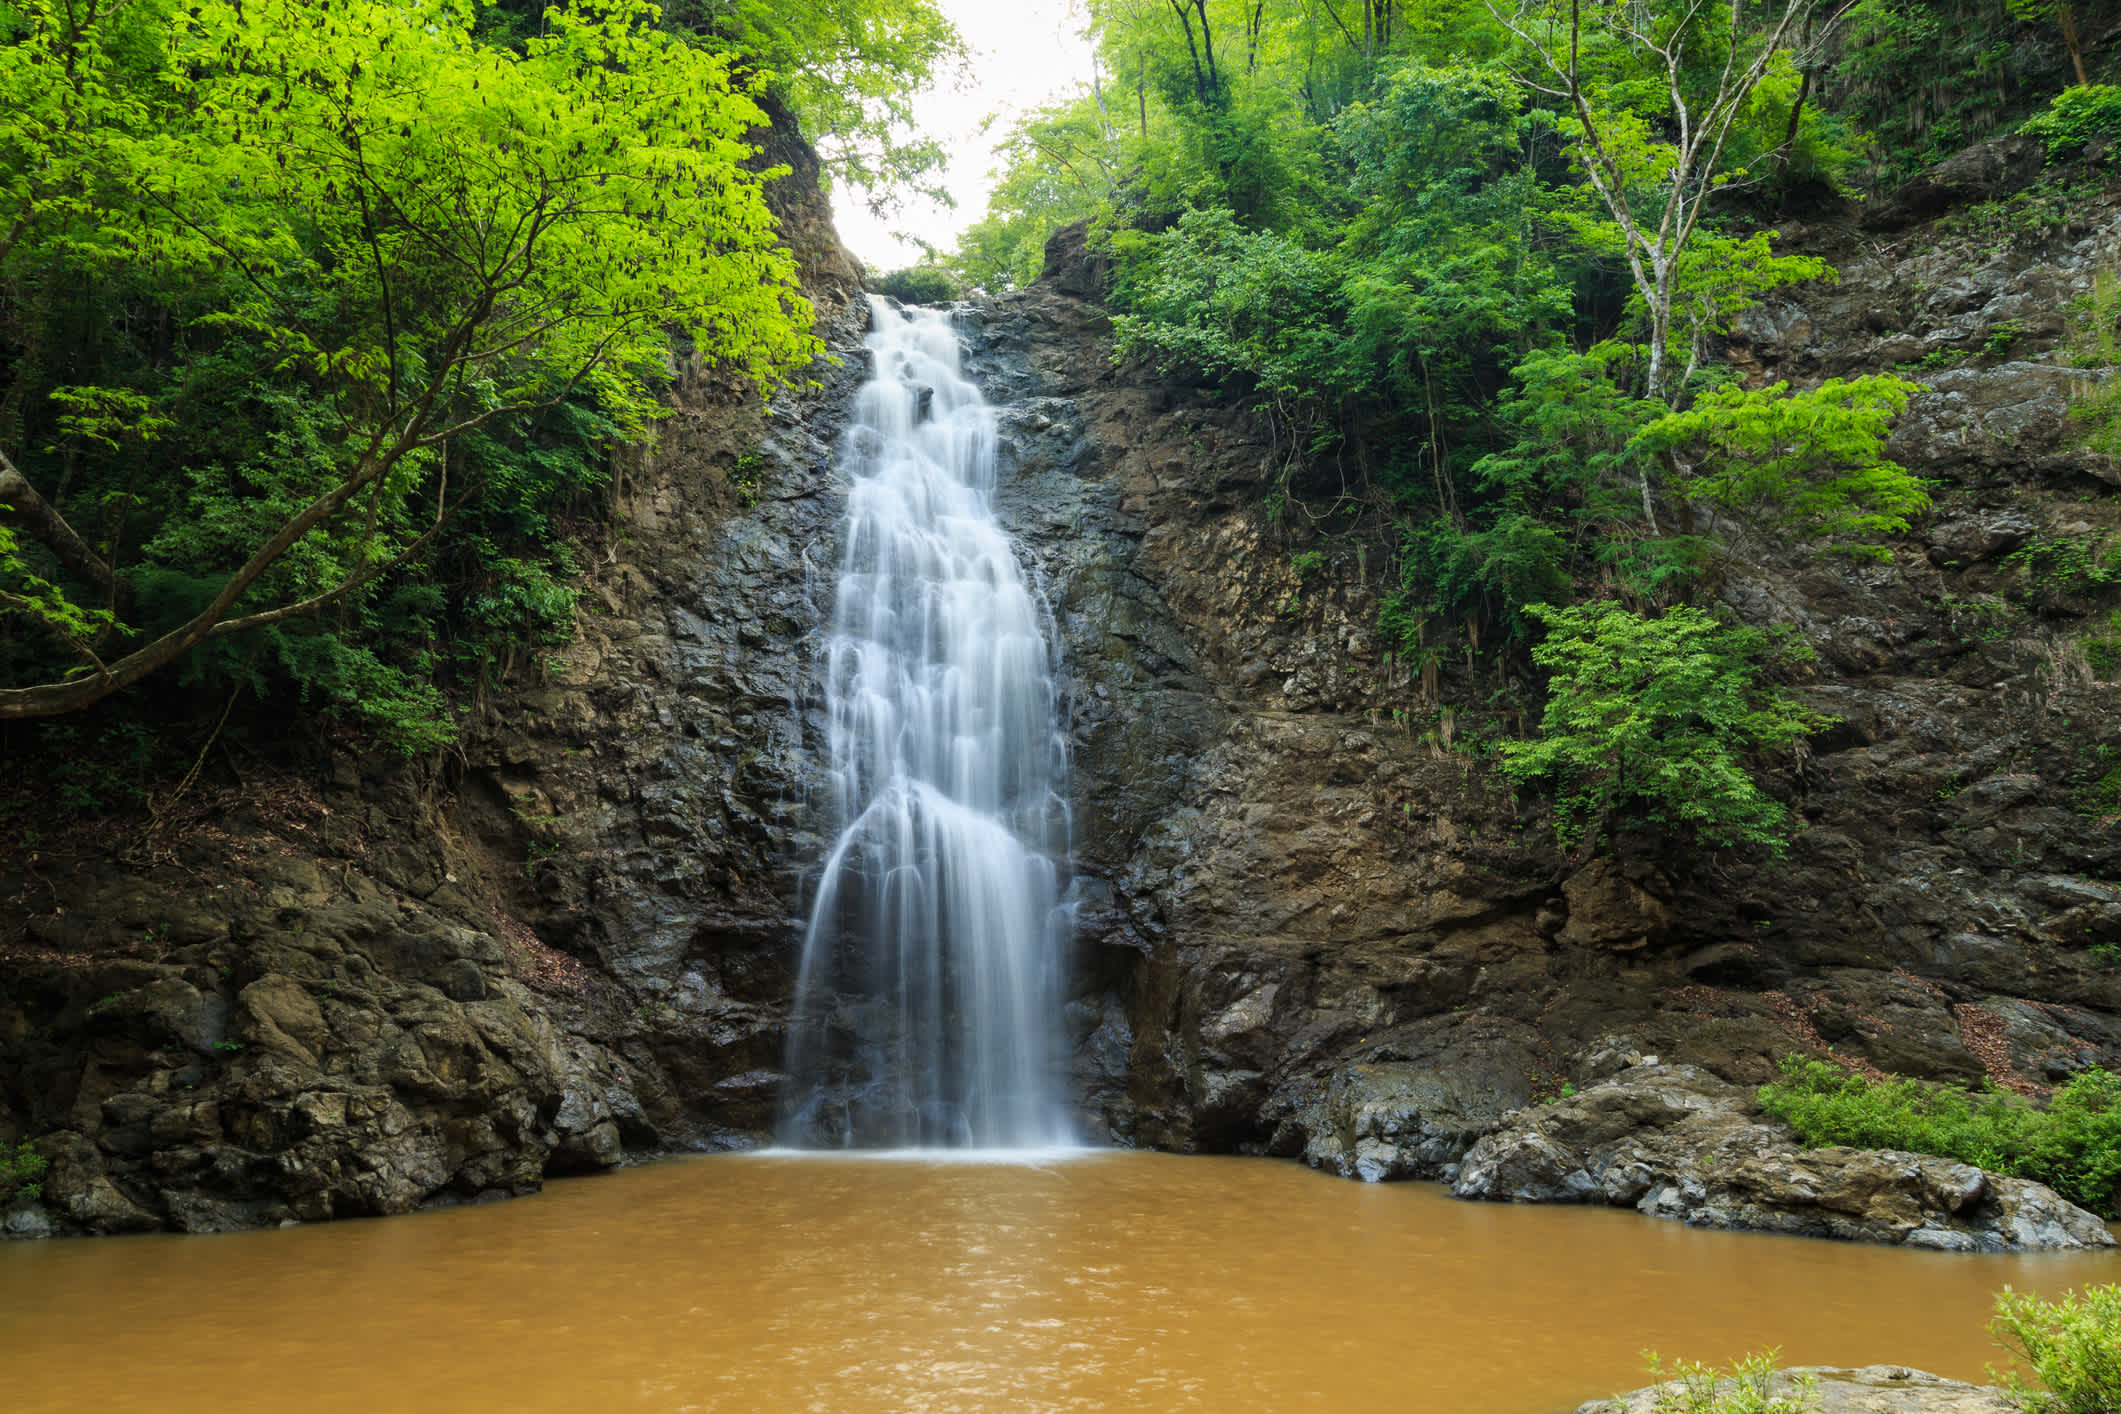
x,y
2073,1146
1748,1387
20,1168
1647,721
919,284
2073,1345
2077,115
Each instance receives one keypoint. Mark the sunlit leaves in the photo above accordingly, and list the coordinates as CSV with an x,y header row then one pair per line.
x,y
1649,721
406,230
1809,462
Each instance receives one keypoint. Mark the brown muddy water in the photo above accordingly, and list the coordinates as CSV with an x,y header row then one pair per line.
x,y
1120,1282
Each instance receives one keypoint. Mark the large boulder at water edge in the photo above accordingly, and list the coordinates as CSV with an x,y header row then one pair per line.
x,y
1874,1389
1673,1141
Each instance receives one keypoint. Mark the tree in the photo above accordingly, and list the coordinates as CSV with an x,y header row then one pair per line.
x,y
1654,155
428,233
850,69
1648,721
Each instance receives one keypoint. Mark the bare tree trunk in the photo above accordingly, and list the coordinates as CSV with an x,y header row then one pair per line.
x,y
2068,18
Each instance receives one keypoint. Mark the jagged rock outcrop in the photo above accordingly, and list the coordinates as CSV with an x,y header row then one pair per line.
x,y
1873,1389
1673,1141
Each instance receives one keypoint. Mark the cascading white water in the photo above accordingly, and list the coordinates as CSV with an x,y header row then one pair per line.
x,y
927,1010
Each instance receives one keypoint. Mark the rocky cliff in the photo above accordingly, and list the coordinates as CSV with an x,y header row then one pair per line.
x,y
1311,930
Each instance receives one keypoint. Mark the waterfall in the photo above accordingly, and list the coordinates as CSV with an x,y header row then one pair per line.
x,y
927,1010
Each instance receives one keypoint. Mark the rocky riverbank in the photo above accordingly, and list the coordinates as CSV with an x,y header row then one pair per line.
x,y
1873,1389
1672,1141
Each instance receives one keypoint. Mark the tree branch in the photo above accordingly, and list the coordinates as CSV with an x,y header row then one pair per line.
x,y
22,507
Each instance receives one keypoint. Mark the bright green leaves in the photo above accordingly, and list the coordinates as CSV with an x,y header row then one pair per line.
x,y
849,68
388,236
565,203
1649,720
2072,1345
1811,463
1213,296
2077,116
1716,278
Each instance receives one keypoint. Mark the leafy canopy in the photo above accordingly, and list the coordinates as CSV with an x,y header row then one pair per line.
x,y
396,234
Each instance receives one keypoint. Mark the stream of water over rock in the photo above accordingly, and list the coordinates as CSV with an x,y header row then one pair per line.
x,y
928,1003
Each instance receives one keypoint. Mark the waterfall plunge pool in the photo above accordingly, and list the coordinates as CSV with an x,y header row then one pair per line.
x,y
1093,1280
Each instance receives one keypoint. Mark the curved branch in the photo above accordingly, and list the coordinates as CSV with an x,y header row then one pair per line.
x,y
52,698
23,508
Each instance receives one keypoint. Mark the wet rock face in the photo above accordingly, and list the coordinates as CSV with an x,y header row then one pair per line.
x,y
330,1051
1673,1141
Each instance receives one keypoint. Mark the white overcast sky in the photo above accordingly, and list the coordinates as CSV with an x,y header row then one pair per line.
x,y
1023,51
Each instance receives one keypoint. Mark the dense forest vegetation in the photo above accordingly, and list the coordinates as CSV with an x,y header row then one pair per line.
x,y
320,321
1472,261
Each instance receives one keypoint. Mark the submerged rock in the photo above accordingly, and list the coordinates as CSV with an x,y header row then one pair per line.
x,y
1673,1141
1873,1389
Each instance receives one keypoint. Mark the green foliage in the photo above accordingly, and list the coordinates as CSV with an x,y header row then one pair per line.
x,y
2073,1345
1811,463
1927,77
2096,790
919,284
2056,575
1746,1388
1648,722
2077,116
849,68
20,1169
2094,343
2073,1145
1209,295
410,285
1484,315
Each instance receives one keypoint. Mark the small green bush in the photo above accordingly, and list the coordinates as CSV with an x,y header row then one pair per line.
x,y
919,284
20,1168
2073,1345
1649,722
1746,1388
2073,1146
2076,116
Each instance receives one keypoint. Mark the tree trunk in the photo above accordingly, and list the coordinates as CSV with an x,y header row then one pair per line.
x,y
2068,18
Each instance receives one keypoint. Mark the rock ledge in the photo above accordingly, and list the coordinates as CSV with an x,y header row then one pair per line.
x,y
1874,1389
1673,1141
